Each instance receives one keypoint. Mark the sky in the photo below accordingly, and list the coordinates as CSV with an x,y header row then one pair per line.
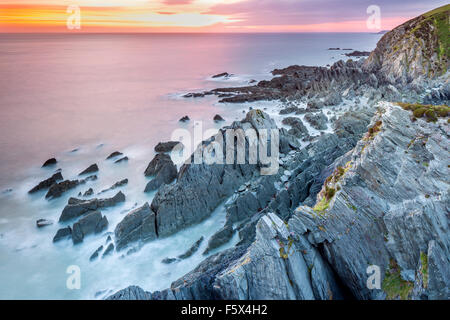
x,y
208,15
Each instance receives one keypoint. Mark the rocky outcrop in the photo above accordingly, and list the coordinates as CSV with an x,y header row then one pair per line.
x,y
167,146
50,162
138,225
116,185
114,155
91,169
91,223
415,50
64,233
386,206
317,120
164,170
77,207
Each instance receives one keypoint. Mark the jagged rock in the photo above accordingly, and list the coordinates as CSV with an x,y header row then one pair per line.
x,y
358,54
91,169
64,233
109,250
218,118
167,146
45,184
185,119
165,170
124,159
191,250
57,189
317,120
220,238
159,161
88,192
116,185
333,99
114,154
138,225
96,254
393,192
43,223
76,207
89,224
298,129
169,260
222,75
49,162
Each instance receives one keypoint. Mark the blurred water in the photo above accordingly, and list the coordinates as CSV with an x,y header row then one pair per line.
x,y
100,93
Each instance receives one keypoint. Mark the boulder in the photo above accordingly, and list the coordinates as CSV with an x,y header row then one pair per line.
x,y
218,118
89,224
185,119
138,225
114,154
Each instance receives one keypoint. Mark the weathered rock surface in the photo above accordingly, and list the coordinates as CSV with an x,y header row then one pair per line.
x,y
116,185
114,155
91,223
298,129
77,207
317,120
64,233
164,170
138,225
45,184
219,238
167,146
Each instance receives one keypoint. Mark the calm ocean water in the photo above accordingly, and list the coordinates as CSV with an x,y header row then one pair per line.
x,y
100,93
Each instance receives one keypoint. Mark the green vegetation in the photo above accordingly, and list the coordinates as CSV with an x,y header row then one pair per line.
x,y
393,284
373,131
429,112
424,268
322,205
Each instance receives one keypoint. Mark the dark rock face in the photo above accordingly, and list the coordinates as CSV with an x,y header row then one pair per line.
x,y
96,254
317,120
76,207
89,224
159,161
88,192
50,162
47,183
163,168
114,154
189,253
167,146
43,223
131,293
218,118
109,250
220,238
185,119
138,225
64,233
91,169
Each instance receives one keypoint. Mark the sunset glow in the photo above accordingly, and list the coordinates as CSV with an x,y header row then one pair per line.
x,y
198,16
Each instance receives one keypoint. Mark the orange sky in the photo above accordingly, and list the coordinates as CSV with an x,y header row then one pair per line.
x,y
198,15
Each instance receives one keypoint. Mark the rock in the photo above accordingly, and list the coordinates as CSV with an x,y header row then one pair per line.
x,y
221,75
185,119
138,225
131,293
166,175
49,162
169,260
43,223
91,169
64,233
116,185
298,129
109,250
167,146
220,238
114,154
218,118
317,120
191,250
47,183
95,255
334,48
88,192
358,54
57,189
124,159
333,99
89,224
76,207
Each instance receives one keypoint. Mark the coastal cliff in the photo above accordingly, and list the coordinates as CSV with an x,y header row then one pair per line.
x,y
371,195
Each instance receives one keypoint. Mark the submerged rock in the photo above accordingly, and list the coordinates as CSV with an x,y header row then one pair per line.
x,y
57,189
76,207
43,223
218,118
96,254
185,119
221,75
109,250
138,225
116,185
124,159
45,184
91,169
91,223
220,238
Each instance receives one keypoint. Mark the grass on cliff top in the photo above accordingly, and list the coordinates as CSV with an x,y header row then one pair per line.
x,y
429,112
440,18
393,284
